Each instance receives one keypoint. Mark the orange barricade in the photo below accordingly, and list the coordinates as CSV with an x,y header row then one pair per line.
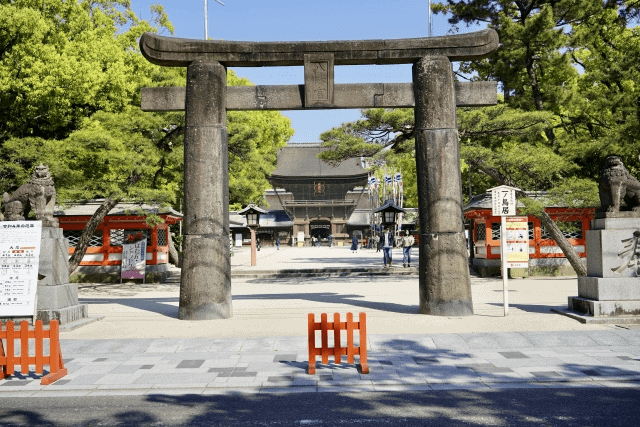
x,y
336,326
8,360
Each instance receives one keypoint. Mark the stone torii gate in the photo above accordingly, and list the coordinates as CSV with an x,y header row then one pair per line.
x,y
205,290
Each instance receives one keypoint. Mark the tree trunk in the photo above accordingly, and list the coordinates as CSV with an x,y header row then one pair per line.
x,y
566,247
174,256
89,229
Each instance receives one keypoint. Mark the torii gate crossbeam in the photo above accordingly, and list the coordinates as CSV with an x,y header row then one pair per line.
x,y
205,289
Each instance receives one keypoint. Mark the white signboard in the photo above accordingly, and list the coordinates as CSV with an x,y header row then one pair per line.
x,y
19,257
517,249
238,240
134,260
503,201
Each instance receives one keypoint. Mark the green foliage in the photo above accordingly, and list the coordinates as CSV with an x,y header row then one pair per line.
x,y
71,75
254,138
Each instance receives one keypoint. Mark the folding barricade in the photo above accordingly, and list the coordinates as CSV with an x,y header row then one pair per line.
x,y
337,351
8,360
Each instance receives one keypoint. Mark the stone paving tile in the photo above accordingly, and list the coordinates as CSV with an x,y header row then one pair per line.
x,y
284,390
118,379
118,392
443,387
514,385
133,346
175,392
519,363
345,389
125,369
164,345
190,364
476,341
195,346
94,369
511,340
98,347
86,379
449,341
76,346
175,378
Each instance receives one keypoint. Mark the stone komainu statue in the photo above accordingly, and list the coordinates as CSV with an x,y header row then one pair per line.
x,y
38,193
617,185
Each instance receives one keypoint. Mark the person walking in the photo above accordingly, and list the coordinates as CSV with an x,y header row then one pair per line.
x,y
378,243
313,241
258,244
277,243
407,243
329,239
388,241
354,243
319,240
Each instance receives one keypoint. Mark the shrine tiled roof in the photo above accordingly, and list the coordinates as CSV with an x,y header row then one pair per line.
x,y
89,207
301,160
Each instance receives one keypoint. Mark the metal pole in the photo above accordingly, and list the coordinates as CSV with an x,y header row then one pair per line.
x,y
503,259
429,18
206,24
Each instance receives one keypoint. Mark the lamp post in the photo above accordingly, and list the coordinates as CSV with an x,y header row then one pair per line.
x,y
389,212
252,213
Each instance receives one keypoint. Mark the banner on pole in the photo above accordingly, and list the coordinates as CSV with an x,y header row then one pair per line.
x,y
134,260
19,259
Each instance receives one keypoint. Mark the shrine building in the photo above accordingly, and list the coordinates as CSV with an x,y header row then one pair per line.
x,y
545,257
103,258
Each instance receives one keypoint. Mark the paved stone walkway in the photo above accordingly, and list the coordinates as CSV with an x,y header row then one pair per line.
x,y
605,358
140,347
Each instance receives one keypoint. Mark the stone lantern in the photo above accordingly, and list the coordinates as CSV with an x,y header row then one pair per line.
x,y
252,213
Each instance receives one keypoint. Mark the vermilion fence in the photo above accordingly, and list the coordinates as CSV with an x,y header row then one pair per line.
x,y
337,351
8,359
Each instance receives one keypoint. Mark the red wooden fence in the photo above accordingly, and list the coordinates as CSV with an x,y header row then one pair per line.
x,y
8,360
336,326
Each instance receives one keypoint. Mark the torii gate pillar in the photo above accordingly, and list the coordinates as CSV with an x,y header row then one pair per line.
x,y
205,285
445,286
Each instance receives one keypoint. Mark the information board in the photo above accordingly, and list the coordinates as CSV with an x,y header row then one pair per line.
x,y
517,234
134,260
19,258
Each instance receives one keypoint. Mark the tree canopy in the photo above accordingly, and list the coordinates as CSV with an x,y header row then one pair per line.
x,y
569,76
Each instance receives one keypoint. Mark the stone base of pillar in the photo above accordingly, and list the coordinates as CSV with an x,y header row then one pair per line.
x,y
445,285
205,291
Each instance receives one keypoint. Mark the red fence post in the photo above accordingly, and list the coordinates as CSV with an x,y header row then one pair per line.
x,y
312,345
24,347
3,356
336,339
10,346
39,347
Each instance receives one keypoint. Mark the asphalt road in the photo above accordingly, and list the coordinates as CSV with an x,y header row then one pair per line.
x,y
563,406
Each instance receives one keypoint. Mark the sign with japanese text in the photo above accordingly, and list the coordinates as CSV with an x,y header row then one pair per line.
x,y
503,201
517,242
134,259
19,258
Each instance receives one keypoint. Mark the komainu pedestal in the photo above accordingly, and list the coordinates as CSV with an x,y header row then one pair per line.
x,y
57,298
610,293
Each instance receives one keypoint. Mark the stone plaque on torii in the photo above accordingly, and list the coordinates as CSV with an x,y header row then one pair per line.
x,y
444,283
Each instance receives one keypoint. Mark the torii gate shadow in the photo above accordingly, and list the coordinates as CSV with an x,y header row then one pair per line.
x,y
169,306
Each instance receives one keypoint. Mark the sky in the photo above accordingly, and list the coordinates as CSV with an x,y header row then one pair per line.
x,y
301,20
